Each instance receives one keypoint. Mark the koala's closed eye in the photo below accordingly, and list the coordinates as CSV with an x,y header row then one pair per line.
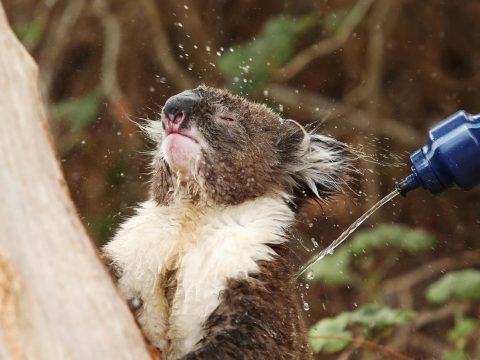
x,y
227,118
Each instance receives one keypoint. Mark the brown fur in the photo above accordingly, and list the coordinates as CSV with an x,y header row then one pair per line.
x,y
258,318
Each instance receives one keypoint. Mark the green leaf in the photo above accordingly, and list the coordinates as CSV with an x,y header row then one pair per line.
x,y
322,334
377,316
399,236
252,64
32,32
326,334
464,327
79,111
456,355
333,269
462,285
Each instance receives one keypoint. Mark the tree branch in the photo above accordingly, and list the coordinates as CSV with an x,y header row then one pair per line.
x,y
179,78
406,281
304,57
309,107
369,344
57,301
57,39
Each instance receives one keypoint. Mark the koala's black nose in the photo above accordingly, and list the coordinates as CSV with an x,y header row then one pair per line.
x,y
181,107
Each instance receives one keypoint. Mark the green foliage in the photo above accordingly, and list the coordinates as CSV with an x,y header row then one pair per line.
x,y
459,336
32,32
380,317
462,285
333,269
332,334
401,237
78,111
464,328
456,355
322,334
370,321
252,64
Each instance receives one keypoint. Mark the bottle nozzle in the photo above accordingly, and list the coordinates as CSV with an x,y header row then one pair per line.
x,y
408,184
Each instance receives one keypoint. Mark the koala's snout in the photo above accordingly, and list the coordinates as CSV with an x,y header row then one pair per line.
x,y
179,108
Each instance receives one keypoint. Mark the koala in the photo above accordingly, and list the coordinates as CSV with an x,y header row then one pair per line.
x,y
205,262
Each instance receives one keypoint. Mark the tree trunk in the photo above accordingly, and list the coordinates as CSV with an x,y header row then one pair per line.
x,y
56,300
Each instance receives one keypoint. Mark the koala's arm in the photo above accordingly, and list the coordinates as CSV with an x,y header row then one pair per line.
x,y
258,318
114,270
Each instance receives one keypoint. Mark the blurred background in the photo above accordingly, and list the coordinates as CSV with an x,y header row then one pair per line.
x,y
374,73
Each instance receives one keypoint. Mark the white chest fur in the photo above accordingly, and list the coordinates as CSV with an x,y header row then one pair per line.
x,y
206,246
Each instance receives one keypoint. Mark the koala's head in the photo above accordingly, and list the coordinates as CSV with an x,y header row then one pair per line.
x,y
219,148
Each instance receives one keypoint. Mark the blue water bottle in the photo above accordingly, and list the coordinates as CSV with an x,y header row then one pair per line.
x,y
451,156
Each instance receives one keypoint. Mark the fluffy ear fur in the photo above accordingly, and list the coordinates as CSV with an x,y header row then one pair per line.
x,y
318,165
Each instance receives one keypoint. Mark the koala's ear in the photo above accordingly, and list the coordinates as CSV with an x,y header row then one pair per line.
x,y
318,165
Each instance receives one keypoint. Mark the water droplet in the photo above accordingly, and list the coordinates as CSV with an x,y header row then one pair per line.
x,y
306,307
310,275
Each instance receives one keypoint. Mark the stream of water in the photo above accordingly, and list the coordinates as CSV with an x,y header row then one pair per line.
x,y
343,236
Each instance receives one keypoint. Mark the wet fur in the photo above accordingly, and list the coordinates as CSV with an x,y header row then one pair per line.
x,y
205,261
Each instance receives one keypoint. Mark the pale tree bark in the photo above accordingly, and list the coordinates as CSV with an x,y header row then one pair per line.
x,y
56,300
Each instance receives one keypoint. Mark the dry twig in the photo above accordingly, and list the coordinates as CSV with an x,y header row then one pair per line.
x,y
381,24
368,344
308,107
179,78
380,19
111,50
199,41
304,57
109,84
57,39
429,345
434,268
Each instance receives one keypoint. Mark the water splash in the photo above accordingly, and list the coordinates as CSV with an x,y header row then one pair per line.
x,y
343,236
305,304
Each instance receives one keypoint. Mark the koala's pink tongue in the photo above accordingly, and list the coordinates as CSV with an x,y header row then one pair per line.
x,y
180,151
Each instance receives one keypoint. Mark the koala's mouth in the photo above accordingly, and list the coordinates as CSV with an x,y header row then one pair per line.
x,y
181,148
176,132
